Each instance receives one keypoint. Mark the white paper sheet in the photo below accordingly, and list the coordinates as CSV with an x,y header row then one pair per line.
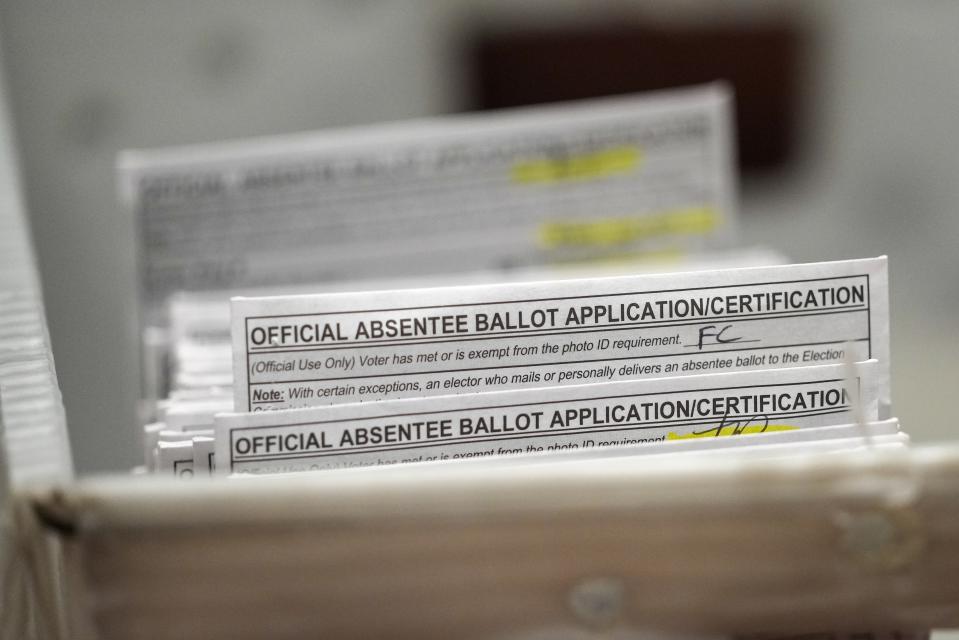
x,y
544,420
301,351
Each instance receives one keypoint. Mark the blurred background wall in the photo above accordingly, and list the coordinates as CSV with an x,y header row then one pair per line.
x,y
859,142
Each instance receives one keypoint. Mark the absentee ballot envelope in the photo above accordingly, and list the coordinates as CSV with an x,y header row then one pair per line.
x,y
301,351
885,434
618,176
541,420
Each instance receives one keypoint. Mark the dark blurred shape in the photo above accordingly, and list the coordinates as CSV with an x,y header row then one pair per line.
x,y
760,60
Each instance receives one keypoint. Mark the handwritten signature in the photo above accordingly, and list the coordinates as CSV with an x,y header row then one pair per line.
x,y
755,424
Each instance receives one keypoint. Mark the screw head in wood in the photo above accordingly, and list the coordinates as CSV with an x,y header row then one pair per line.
x,y
598,602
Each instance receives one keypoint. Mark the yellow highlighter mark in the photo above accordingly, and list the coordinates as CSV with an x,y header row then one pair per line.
x,y
605,232
731,430
656,258
585,166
